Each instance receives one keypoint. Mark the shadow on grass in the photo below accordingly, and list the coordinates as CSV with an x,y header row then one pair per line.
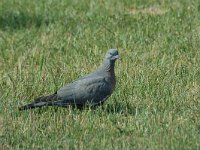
x,y
116,108
119,108
13,20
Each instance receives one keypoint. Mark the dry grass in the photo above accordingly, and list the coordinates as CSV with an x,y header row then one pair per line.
x,y
152,10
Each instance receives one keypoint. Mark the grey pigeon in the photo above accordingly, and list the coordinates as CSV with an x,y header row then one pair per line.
x,y
91,89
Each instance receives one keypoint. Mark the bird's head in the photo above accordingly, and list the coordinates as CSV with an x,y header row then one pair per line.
x,y
109,60
112,54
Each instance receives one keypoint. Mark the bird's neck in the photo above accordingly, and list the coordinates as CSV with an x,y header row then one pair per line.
x,y
108,66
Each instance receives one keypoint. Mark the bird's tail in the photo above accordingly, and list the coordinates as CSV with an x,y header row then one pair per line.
x,y
40,101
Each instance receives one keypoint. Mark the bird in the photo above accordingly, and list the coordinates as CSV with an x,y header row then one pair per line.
x,y
93,88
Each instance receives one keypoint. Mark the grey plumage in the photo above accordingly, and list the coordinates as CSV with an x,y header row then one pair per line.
x,y
91,89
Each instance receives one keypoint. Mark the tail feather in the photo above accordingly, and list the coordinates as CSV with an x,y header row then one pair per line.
x,y
40,101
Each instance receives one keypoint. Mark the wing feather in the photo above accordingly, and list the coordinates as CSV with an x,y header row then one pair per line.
x,y
92,90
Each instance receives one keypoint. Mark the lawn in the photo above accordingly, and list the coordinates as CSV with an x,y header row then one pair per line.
x,y
156,104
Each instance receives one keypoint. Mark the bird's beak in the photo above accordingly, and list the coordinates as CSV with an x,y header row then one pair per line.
x,y
116,57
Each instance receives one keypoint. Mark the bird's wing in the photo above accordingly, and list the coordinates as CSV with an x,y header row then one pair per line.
x,y
92,89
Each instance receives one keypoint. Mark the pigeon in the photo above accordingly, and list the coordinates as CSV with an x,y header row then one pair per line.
x,y
92,89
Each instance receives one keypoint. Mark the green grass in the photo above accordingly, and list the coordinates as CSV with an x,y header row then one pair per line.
x,y
156,104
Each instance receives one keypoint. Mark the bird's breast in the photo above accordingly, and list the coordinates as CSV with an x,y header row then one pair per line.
x,y
112,82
